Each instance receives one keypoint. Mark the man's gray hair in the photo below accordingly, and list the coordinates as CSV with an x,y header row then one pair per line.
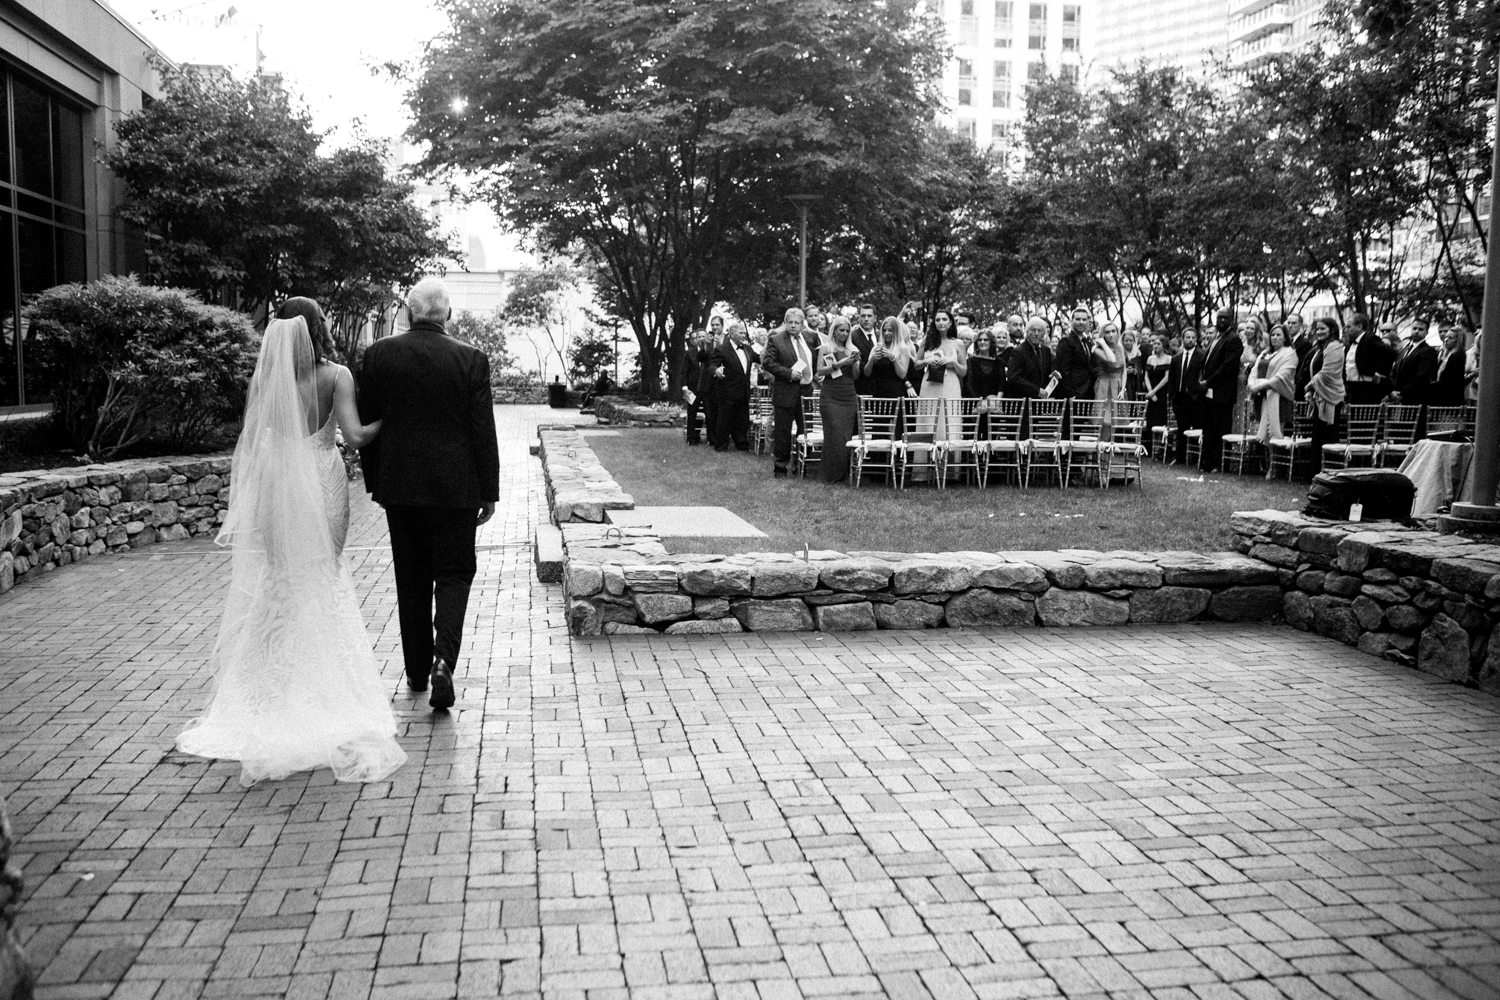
x,y
428,300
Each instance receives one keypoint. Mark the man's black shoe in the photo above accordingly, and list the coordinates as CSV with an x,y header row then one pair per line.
x,y
779,474
442,684
416,684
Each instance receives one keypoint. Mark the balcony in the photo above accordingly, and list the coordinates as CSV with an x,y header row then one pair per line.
x,y
1246,54
1264,21
1239,8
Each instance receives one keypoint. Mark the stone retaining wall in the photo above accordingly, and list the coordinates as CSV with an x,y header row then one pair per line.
x,y
624,582
50,519
1417,598
578,487
621,412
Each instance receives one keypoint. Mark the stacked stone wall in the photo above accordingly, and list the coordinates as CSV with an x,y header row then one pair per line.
x,y
52,519
578,487
1414,597
621,412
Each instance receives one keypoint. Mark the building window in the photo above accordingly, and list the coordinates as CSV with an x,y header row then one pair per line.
x,y
1036,29
43,165
1005,25
1000,92
1036,72
1072,14
968,128
966,82
1068,73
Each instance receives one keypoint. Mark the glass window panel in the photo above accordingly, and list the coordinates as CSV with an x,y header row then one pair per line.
x,y
5,197
10,377
34,205
33,130
68,217
67,154
72,257
4,129
38,256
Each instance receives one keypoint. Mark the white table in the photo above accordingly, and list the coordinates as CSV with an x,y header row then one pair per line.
x,y
1440,472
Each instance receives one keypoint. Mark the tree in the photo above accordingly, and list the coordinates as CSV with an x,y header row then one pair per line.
x,y
546,305
238,201
486,333
656,138
592,355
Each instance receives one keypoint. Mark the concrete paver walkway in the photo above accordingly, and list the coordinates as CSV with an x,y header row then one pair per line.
x,y
1183,812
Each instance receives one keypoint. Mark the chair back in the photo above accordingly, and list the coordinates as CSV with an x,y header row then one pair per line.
x,y
1401,421
1044,419
878,418
760,400
920,418
965,413
1130,422
1006,417
812,414
1445,419
1363,423
1087,420
1302,420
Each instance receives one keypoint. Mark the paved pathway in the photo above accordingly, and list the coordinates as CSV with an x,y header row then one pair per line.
x,y
1186,812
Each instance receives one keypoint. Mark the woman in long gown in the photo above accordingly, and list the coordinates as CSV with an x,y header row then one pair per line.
x,y
296,683
1107,360
1273,378
942,364
1158,373
836,366
890,359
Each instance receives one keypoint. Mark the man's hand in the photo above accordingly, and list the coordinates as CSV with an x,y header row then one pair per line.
x,y
486,512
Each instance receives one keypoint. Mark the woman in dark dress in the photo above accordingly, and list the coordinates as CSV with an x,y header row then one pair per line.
x,y
837,364
890,360
986,375
1154,383
1450,382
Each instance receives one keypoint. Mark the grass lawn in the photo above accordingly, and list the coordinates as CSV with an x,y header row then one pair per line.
x,y
659,470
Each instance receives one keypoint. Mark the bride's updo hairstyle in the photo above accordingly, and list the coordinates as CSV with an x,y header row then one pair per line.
x,y
317,326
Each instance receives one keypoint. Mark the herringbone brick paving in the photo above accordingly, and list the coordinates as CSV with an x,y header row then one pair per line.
x,y
1184,812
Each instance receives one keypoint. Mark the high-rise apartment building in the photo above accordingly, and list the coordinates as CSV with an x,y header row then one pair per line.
x,y
1260,29
1194,33
1001,45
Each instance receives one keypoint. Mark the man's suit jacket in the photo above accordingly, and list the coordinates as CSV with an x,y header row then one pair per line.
x,y
1373,356
437,443
1305,348
864,345
1413,372
1185,376
734,387
778,358
1076,368
1221,369
1029,370
692,371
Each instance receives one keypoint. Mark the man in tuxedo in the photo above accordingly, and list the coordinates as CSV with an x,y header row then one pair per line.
x,y
789,360
696,360
1031,364
730,370
1073,358
1220,381
1367,363
863,339
1414,369
1187,390
435,468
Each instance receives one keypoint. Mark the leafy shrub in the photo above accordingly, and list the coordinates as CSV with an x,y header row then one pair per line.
x,y
485,333
120,358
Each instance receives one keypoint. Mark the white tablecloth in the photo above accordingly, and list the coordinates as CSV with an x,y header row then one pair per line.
x,y
1440,471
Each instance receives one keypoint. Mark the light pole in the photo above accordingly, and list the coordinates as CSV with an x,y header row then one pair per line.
x,y
1482,515
802,201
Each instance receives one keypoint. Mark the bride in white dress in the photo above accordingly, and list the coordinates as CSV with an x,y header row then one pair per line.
x,y
296,684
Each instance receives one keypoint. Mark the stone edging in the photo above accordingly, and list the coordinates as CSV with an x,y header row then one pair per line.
x,y
623,580
52,518
1417,598
621,412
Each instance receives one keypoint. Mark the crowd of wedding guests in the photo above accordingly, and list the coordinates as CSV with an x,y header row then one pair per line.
x,y
1237,374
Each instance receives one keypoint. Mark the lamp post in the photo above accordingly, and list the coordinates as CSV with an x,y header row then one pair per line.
x,y
1482,515
802,201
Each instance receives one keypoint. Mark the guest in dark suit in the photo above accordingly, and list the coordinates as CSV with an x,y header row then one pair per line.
x,y
1075,358
1415,368
698,353
788,358
863,338
1221,381
1367,363
1031,364
1187,390
1450,381
436,470
730,370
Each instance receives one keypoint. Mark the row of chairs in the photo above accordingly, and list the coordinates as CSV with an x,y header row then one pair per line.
x,y
1370,435
972,438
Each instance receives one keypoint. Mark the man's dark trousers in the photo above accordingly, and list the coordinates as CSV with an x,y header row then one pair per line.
x,y
784,418
432,549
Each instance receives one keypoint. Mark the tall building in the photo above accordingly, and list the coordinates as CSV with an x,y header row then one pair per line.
x,y
69,70
1177,32
1257,30
1001,45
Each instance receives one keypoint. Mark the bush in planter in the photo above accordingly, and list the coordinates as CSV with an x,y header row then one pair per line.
x,y
119,358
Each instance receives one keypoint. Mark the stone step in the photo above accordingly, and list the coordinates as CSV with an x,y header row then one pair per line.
x,y
547,549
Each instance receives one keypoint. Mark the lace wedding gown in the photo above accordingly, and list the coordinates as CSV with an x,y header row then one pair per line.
x,y
296,686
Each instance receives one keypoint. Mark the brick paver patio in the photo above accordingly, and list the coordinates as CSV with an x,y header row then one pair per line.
x,y
1183,812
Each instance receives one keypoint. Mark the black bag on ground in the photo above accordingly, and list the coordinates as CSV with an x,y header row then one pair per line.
x,y
1385,493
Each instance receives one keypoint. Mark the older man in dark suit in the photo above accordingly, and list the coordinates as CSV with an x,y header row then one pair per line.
x,y
729,369
1030,367
788,358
